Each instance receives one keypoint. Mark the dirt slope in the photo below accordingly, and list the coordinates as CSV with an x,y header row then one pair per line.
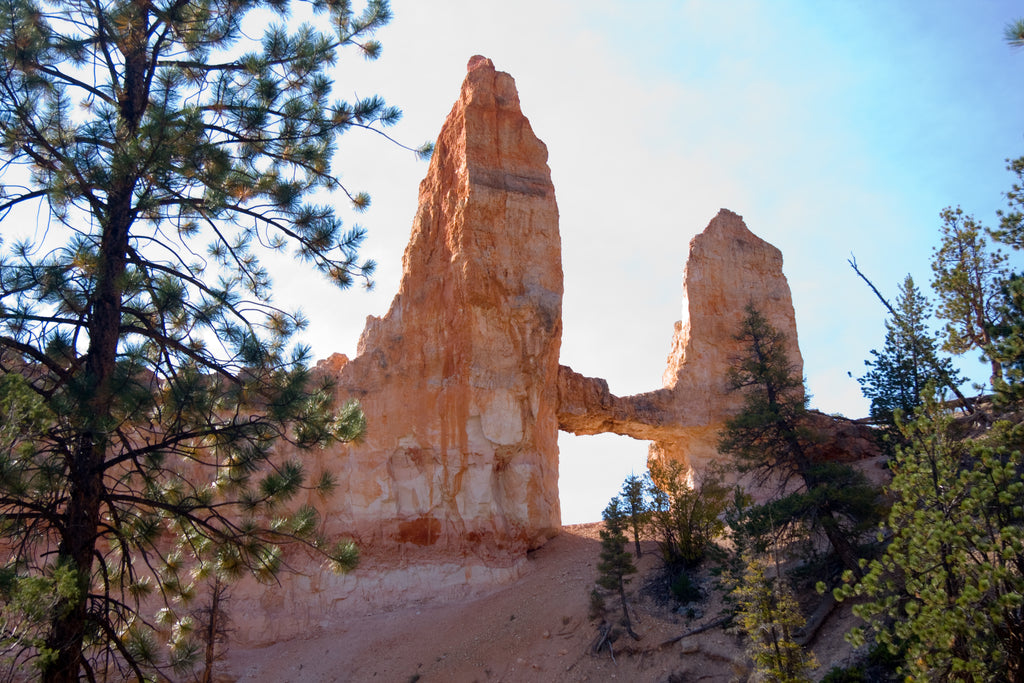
x,y
536,629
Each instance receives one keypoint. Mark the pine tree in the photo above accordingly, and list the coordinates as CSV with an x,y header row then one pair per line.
x,y
1011,221
164,149
1007,345
635,505
947,596
1007,331
616,563
1014,33
769,615
948,593
685,519
968,277
936,366
213,623
907,362
771,438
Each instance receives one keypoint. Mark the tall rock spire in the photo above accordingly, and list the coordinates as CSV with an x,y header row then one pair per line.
x,y
459,379
727,269
457,476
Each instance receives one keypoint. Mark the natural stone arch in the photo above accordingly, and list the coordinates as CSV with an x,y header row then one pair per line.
x,y
728,267
461,382
462,388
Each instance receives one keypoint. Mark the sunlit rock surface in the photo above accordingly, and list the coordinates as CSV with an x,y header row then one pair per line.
x,y
458,473
458,379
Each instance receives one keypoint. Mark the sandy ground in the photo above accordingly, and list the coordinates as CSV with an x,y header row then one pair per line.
x,y
535,629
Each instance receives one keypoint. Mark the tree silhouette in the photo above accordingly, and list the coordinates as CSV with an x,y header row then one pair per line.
x,y
907,362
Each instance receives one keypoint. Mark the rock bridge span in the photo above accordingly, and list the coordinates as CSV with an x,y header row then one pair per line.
x,y
462,385
461,380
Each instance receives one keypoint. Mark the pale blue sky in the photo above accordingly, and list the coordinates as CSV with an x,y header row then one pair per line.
x,y
832,127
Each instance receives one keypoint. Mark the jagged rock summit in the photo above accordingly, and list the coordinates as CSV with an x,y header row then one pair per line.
x,y
460,381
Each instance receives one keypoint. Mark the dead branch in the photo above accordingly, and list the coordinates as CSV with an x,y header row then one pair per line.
x,y
721,621
604,630
805,635
946,379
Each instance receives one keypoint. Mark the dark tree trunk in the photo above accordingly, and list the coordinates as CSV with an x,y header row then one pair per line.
x,y
68,620
841,544
86,464
85,469
625,612
214,630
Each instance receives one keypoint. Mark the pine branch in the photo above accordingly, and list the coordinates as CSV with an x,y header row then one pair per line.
x,y
71,80
7,206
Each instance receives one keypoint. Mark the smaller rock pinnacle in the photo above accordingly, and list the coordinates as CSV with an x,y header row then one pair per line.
x,y
477,61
